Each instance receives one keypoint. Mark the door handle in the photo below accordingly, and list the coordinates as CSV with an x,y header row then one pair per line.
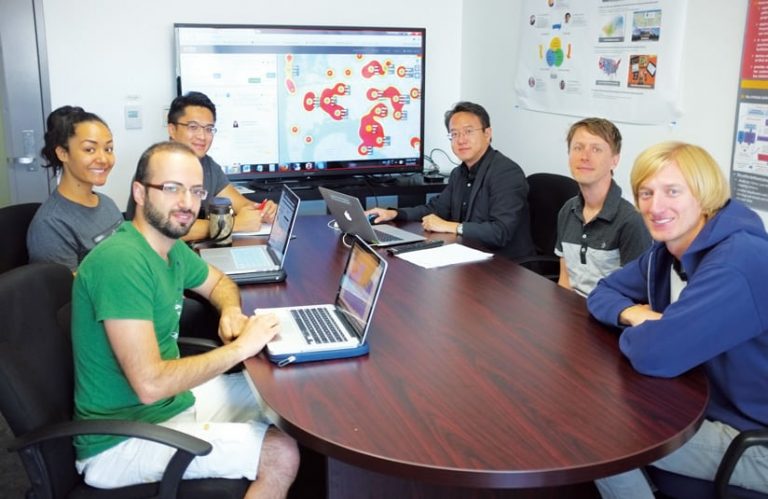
x,y
28,150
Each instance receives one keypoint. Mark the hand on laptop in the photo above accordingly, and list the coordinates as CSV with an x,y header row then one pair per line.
x,y
231,322
259,329
381,215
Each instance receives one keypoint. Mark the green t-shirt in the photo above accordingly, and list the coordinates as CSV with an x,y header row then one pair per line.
x,y
124,278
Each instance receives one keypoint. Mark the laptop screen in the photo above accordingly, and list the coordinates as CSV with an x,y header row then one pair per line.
x,y
360,286
284,219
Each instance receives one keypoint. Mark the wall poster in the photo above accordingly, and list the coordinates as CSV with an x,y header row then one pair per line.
x,y
618,59
749,165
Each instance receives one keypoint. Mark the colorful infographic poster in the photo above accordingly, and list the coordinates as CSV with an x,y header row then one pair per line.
x,y
612,58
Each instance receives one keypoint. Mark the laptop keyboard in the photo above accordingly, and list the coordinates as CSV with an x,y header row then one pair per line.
x,y
317,326
245,260
385,237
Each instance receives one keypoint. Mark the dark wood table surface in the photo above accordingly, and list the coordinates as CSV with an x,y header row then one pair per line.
x,y
480,375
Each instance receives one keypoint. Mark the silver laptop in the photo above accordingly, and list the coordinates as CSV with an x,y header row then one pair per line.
x,y
261,262
338,330
352,219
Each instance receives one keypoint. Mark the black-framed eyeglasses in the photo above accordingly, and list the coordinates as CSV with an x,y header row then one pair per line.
x,y
175,188
195,127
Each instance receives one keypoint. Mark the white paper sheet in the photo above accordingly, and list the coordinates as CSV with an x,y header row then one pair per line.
x,y
440,256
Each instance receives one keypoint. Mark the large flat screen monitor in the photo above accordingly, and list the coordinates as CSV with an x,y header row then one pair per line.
x,y
304,101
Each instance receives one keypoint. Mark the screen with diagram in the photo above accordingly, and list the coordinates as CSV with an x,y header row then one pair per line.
x,y
300,101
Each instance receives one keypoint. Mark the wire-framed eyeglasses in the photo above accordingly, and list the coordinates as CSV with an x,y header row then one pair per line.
x,y
175,188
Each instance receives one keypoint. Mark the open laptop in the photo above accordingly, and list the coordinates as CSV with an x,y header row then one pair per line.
x,y
352,219
338,330
262,262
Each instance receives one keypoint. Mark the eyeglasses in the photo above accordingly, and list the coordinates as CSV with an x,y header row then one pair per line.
x,y
175,188
464,133
195,127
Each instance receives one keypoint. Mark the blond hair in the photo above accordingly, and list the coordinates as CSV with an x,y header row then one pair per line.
x,y
700,171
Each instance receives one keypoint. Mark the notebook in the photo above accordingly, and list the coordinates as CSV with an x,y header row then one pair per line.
x,y
263,262
352,219
338,330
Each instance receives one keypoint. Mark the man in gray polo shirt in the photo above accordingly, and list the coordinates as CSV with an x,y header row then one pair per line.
x,y
598,231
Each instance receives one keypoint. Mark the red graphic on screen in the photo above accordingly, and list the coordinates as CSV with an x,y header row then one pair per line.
x,y
373,68
371,130
387,101
328,101
393,95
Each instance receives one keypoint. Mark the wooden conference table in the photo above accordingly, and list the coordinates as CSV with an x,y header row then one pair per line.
x,y
481,375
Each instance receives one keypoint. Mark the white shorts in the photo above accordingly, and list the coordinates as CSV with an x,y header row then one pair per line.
x,y
227,413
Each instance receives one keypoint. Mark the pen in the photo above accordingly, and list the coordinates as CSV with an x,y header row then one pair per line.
x,y
262,205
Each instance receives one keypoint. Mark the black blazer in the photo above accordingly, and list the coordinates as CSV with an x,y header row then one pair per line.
x,y
497,214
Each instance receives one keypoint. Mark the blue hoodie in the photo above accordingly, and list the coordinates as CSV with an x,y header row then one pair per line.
x,y
720,319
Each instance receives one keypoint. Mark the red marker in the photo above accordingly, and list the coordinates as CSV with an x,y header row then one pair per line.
x,y
262,205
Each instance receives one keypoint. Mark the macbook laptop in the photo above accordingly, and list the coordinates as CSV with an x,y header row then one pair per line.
x,y
352,219
338,330
262,262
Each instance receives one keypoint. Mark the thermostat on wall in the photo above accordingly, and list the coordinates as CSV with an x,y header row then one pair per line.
x,y
133,117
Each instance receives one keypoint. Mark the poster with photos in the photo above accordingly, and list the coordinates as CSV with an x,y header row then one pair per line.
x,y
613,58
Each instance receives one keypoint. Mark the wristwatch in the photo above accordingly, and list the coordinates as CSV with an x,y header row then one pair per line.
x,y
460,229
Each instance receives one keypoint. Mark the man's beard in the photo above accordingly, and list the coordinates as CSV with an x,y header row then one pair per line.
x,y
163,223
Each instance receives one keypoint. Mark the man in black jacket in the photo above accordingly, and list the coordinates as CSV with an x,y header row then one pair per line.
x,y
487,195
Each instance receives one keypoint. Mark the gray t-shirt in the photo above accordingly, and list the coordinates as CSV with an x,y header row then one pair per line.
x,y
593,250
64,232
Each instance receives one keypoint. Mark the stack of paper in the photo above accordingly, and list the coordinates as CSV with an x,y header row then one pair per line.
x,y
441,256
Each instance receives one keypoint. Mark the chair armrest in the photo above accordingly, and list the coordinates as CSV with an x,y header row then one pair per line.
x,y
135,429
741,443
189,345
187,447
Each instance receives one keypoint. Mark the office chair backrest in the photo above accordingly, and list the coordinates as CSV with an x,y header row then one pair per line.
x,y
36,368
14,222
547,192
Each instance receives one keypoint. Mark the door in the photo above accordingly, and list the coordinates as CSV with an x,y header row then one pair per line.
x,y
25,102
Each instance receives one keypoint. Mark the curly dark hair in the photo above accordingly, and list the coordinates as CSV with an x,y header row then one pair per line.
x,y
60,126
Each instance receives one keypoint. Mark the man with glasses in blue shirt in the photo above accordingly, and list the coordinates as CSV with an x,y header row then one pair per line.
x,y
192,121
486,198
126,302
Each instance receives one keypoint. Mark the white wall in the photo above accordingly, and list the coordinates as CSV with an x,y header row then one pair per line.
x,y
104,55
101,55
714,33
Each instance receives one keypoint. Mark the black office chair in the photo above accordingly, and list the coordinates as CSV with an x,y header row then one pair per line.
x,y
547,192
37,393
676,486
14,222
